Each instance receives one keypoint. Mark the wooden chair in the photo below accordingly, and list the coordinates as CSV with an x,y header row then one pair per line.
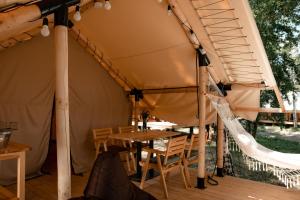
x,y
126,129
101,137
129,129
166,161
191,149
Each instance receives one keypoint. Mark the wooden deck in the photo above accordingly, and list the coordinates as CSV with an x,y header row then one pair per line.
x,y
229,188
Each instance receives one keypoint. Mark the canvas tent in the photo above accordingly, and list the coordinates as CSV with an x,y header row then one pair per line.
x,y
27,95
139,46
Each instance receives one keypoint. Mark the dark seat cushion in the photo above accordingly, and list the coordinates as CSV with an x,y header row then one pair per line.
x,y
193,155
171,159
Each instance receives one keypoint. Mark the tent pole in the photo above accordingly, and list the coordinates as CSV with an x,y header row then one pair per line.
x,y
220,149
62,103
202,107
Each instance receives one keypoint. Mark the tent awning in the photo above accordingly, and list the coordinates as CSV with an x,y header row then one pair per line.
x,y
151,50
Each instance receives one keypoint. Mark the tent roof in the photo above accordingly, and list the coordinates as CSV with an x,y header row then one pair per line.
x,y
146,48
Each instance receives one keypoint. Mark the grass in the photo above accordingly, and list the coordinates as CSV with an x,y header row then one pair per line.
x,y
276,144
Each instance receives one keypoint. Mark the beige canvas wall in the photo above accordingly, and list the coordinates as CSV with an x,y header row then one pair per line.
x,y
26,96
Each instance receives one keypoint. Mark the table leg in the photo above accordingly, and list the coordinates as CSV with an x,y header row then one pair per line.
x,y
21,176
138,159
151,171
138,175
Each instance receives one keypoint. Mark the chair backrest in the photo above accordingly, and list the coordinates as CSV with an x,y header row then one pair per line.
x,y
194,142
175,146
101,135
126,129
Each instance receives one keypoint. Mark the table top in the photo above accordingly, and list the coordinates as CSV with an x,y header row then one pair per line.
x,y
143,136
13,147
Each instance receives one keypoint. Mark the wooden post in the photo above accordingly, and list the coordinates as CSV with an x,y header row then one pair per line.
x,y
202,107
62,104
220,148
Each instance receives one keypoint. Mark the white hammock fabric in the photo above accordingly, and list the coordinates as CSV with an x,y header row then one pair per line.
x,y
285,166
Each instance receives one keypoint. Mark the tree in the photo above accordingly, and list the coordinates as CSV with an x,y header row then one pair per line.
x,y
278,22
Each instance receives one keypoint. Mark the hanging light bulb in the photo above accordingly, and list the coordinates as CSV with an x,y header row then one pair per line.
x,y
170,10
77,16
98,4
159,1
193,36
107,5
45,28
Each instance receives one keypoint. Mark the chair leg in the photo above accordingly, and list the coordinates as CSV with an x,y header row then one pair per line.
x,y
183,176
187,173
128,162
133,161
145,170
162,177
167,176
105,146
127,157
97,150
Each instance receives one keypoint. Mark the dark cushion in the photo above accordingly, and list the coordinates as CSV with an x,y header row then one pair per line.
x,y
171,159
193,155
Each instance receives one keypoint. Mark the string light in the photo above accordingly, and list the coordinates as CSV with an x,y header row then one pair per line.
x,y
77,16
107,5
170,10
45,28
193,37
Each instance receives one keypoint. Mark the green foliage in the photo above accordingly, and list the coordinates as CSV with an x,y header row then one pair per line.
x,y
279,24
278,144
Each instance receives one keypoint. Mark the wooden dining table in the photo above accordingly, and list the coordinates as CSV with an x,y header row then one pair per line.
x,y
15,151
140,137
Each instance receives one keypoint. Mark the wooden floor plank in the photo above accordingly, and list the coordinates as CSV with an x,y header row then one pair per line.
x,y
6,194
229,188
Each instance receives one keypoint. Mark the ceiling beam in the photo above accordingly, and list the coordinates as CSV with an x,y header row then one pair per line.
x,y
187,89
261,110
193,89
11,3
250,86
26,18
9,21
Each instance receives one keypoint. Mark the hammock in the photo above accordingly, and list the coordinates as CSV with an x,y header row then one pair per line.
x,y
285,166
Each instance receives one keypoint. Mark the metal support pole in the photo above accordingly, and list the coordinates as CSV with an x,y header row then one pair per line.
x,y
62,103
